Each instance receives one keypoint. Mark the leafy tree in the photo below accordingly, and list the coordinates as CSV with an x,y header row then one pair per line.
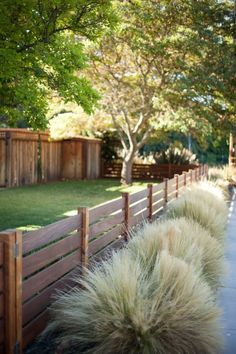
x,y
41,46
156,72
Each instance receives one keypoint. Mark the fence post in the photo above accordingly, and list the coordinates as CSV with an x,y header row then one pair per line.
x,y
176,185
191,176
18,265
185,178
196,174
150,196
12,241
166,191
126,198
84,236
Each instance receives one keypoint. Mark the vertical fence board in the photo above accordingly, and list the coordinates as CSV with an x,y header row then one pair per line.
x,y
126,198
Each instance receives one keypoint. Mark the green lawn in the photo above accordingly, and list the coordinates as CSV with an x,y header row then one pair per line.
x,y
30,207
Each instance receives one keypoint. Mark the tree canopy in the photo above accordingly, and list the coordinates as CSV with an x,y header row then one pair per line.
x,y
155,64
165,67
41,49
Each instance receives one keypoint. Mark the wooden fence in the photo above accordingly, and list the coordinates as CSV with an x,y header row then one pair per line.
x,y
146,172
29,158
34,267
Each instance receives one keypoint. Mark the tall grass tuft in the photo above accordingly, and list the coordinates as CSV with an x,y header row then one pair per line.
x,y
182,238
211,196
124,308
193,207
166,235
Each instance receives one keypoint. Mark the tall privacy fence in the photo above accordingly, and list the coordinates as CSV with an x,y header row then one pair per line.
x,y
144,171
28,157
35,266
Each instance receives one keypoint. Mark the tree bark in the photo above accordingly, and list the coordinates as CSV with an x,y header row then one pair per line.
x,y
126,172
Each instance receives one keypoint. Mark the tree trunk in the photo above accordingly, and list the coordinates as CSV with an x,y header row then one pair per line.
x,y
126,172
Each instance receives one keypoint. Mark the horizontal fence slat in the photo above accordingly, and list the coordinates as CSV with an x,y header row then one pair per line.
x,y
158,211
38,304
145,171
34,328
138,218
171,197
47,276
103,241
106,253
158,187
105,209
139,207
158,196
47,255
106,224
157,205
134,197
181,178
49,233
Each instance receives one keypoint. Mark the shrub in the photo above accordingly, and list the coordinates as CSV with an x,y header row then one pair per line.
x,y
124,308
221,177
166,235
211,196
217,173
175,155
192,207
182,238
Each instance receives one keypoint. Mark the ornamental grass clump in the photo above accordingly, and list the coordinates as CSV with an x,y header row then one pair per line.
x,y
166,235
193,207
125,308
212,196
182,238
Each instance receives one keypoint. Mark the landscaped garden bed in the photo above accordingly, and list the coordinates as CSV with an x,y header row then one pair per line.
x,y
158,294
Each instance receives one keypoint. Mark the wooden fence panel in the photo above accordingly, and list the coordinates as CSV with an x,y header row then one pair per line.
x,y
146,172
72,159
52,255
28,157
106,226
23,158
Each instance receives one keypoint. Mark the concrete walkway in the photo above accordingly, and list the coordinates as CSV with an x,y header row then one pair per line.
x,y
228,292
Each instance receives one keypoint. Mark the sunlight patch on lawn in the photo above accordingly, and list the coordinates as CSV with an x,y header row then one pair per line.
x,y
134,188
29,228
70,213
